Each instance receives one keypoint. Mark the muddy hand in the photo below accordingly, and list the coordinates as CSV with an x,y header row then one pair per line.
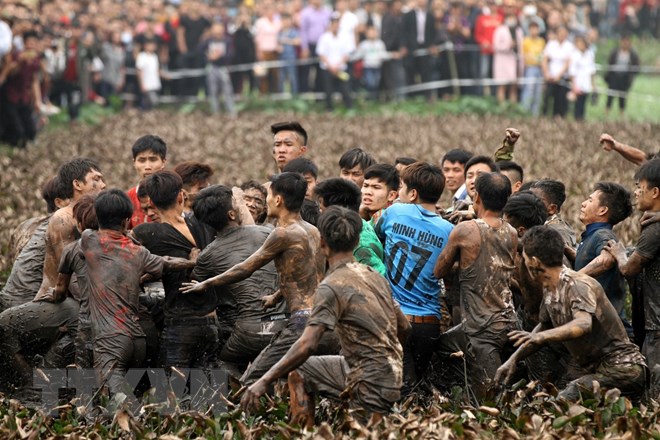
x,y
607,142
650,217
194,253
269,301
520,338
250,399
191,287
504,373
615,248
512,135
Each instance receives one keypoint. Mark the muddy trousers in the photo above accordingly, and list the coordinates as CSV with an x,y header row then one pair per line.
x,y
114,356
483,354
630,379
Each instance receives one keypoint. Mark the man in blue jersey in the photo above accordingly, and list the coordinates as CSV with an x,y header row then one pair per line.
x,y
414,236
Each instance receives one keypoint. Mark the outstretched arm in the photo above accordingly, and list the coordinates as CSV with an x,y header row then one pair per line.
x,y
599,265
299,352
528,343
276,243
173,264
631,154
629,267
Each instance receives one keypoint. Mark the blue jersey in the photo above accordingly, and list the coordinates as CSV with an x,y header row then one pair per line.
x,y
414,239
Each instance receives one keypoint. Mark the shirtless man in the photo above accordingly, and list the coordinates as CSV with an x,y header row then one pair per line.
x,y
356,303
294,247
576,313
79,177
485,249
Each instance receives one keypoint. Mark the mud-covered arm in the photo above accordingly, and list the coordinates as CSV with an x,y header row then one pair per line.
x,y
276,243
599,265
631,154
452,251
173,264
60,232
59,292
403,326
629,267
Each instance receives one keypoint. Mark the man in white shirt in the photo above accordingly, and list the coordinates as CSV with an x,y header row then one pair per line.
x,y
453,167
5,39
348,24
556,62
148,69
334,49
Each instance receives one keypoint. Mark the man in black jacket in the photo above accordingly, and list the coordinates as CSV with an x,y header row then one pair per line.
x,y
418,32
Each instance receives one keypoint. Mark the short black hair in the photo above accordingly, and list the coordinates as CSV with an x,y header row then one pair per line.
x,y
292,187
30,34
163,188
85,213
494,190
338,191
617,199
253,184
457,155
649,171
150,142
426,178
403,160
527,185
386,173
303,166
553,190
142,188
112,207
212,205
193,172
544,243
355,157
310,212
340,228
75,169
525,209
509,165
487,160
51,190
290,126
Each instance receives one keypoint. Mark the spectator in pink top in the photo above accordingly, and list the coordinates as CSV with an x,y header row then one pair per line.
x,y
507,44
266,31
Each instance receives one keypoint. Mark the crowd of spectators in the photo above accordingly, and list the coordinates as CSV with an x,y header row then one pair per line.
x,y
61,53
